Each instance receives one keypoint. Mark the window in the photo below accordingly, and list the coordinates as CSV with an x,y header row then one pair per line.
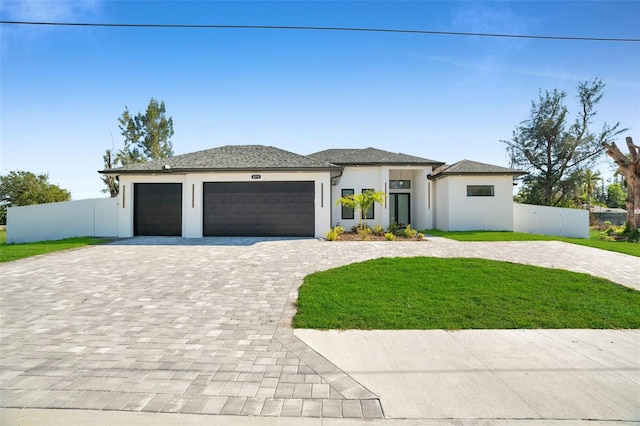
x,y
347,212
479,190
400,184
369,213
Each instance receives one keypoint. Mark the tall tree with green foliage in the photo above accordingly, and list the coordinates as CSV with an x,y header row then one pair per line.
x,y
20,188
616,197
554,150
146,137
590,183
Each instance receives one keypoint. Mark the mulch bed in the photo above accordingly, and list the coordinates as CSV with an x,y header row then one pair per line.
x,y
353,236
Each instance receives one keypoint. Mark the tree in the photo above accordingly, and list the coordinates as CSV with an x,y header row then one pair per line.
x,y
146,137
112,184
616,196
554,151
150,132
130,154
590,179
629,166
361,203
21,188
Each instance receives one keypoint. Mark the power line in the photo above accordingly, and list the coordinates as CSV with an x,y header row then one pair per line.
x,y
305,28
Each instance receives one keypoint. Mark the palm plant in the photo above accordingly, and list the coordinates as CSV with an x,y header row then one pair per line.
x,y
361,203
590,180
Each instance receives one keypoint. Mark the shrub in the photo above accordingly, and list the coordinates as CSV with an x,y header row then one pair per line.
x,y
620,233
605,237
420,236
364,233
410,233
334,233
377,230
390,236
611,230
394,228
331,235
630,234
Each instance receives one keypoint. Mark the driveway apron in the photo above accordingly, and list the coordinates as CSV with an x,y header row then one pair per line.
x,y
203,325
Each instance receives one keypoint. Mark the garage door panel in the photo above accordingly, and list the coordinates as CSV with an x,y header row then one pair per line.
x,y
157,209
259,208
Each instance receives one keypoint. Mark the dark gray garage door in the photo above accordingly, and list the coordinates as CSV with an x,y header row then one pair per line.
x,y
260,209
157,209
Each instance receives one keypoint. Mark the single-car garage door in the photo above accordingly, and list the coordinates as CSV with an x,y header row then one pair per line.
x,y
260,209
157,209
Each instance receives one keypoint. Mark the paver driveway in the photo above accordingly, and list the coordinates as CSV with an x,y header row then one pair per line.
x,y
202,326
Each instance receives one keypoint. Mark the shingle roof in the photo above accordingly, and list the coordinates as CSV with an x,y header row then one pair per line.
x,y
230,157
369,156
467,167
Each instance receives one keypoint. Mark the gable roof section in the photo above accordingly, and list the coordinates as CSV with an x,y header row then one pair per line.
x,y
370,156
229,158
467,167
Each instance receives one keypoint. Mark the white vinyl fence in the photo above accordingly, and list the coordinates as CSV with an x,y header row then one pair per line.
x,y
94,218
556,221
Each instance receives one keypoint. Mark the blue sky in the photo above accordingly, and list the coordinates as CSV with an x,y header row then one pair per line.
x,y
446,98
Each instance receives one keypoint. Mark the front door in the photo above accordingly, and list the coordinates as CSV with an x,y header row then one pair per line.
x,y
400,209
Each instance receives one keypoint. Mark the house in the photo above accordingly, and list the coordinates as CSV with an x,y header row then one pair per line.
x,y
255,190
609,214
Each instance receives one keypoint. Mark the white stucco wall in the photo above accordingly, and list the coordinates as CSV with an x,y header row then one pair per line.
x,y
192,199
456,211
441,204
359,178
421,214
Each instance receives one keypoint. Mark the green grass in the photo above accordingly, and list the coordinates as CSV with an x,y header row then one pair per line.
x,y
457,293
632,249
10,252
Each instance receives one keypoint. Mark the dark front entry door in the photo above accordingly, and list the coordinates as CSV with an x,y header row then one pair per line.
x,y
400,209
157,209
259,209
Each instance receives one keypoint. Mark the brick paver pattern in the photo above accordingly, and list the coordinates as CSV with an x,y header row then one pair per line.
x,y
203,325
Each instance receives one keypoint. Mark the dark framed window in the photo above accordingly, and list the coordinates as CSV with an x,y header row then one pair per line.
x,y
399,184
347,212
480,191
369,213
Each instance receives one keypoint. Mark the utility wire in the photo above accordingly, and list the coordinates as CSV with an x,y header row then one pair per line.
x,y
305,28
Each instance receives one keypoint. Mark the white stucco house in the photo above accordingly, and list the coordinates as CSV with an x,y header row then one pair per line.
x,y
255,190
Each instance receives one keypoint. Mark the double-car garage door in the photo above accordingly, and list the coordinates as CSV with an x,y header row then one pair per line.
x,y
229,209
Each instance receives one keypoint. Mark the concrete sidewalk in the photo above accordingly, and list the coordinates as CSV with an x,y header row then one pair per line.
x,y
492,374
39,417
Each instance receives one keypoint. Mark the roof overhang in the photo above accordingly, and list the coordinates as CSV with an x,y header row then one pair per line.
x,y
399,164
335,171
445,174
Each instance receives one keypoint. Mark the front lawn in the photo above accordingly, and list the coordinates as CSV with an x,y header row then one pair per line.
x,y
632,249
18,251
460,293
